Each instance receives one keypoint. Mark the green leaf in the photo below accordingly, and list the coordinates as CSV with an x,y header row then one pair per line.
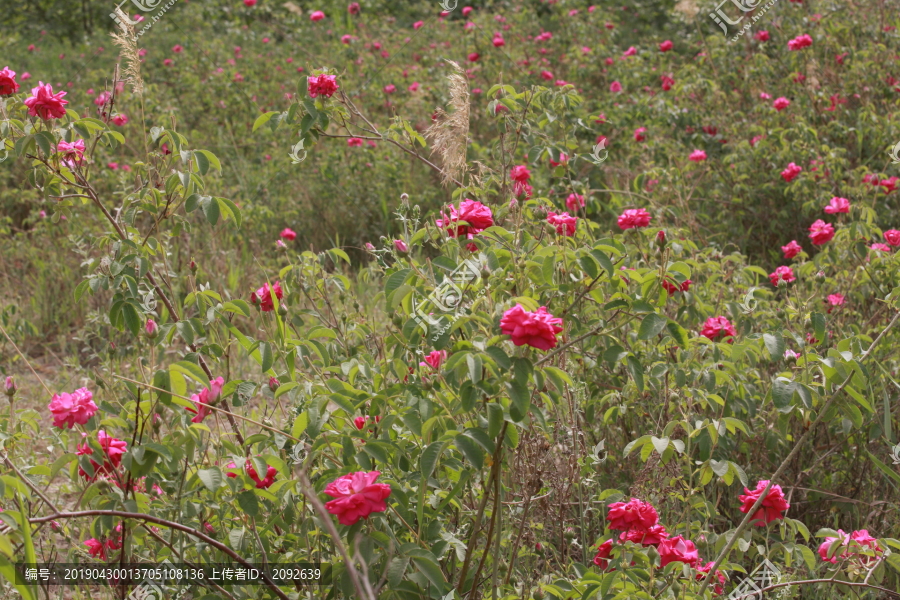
x,y
248,502
211,478
604,261
818,322
210,159
429,458
651,326
482,438
636,371
300,424
782,393
679,334
268,358
518,393
190,369
8,570
473,361
263,119
431,571
884,468
132,319
774,344
470,450
211,210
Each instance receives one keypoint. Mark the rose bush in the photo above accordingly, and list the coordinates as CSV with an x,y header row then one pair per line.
x,y
497,392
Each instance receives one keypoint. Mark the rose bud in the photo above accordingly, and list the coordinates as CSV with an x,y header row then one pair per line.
x,y
10,387
151,329
273,384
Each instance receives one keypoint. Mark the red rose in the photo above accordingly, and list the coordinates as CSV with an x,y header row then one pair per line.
x,y
634,514
677,549
771,507
537,329
356,496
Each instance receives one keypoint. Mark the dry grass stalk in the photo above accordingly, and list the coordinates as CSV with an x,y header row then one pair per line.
x,y
127,43
450,131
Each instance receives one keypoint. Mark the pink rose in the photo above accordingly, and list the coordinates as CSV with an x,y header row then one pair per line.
x,y
697,156
346,38
473,57
564,222
835,299
838,205
633,218
677,549
635,514
418,24
120,120
401,246
781,103
151,328
791,172
45,104
316,15
630,52
770,509
785,274
288,234
665,46
112,447
263,296
498,41
436,358
520,173
414,86
477,216
69,409
262,484
639,134
718,588
821,232
667,82
353,8
575,202
73,152
718,327
322,85
652,536
615,87
8,85
354,142
537,329
892,237
800,42
603,552
792,249
206,397
762,36
466,11
851,545
563,160
356,496
390,88
889,185
96,548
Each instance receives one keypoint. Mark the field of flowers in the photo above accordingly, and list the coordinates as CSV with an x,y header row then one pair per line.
x,y
524,299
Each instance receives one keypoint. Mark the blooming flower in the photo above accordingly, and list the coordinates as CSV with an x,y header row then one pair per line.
x,y
473,57
324,85
564,222
112,447
72,152
667,82
288,234
414,86
800,42
665,46
639,134
785,274
792,249
651,536
353,8
120,120
603,552
634,514
316,15
634,217
418,24
615,87
718,588
356,496
838,205
264,483
563,160
96,548
263,296
880,247
45,104
781,103
820,232
359,423
889,185
672,286
697,156
498,41
762,36
630,52
390,88
677,549
477,216
435,359
520,173
892,237
206,397
69,409
575,202
537,329
791,172
8,84
718,327
771,507
354,142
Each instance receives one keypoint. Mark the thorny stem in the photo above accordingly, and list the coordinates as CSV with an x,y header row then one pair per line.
x,y
759,500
